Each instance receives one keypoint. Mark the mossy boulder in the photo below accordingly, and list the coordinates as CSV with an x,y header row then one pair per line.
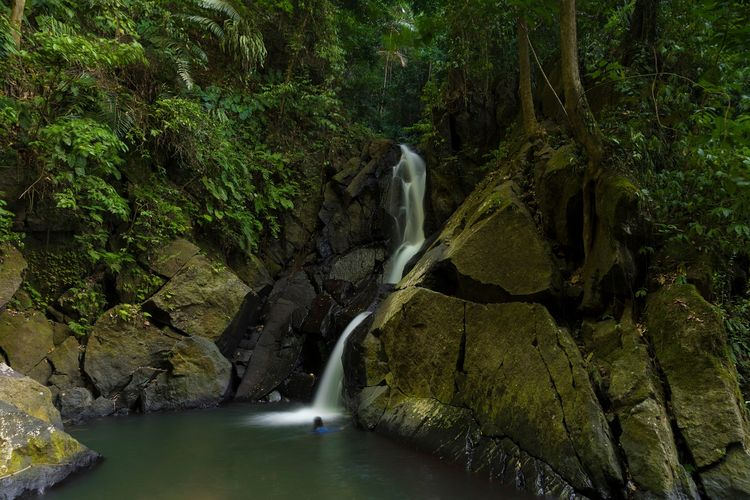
x,y
28,396
132,361
66,365
509,365
490,250
168,260
633,388
12,267
121,342
201,299
35,454
524,378
435,326
26,338
196,376
689,340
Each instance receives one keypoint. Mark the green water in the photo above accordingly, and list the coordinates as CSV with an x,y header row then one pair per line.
x,y
219,454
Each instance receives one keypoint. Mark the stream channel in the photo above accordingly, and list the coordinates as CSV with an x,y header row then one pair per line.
x,y
226,454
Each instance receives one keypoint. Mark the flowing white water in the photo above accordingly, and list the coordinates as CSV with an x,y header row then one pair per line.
x,y
406,206
327,402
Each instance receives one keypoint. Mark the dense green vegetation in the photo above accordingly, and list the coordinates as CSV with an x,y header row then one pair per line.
x,y
136,121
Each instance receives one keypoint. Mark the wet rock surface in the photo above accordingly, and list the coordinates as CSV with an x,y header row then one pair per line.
x,y
35,453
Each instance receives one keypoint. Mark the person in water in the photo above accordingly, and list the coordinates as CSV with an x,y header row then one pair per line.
x,y
319,427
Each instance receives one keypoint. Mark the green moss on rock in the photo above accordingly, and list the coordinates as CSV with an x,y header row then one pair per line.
x,y
689,341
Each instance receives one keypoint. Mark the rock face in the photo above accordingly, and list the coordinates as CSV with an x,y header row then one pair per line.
x,y
517,373
197,376
490,249
201,299
12,266
610,269
26,339
705,398
133,362
627,375
485,355
34,451
277,347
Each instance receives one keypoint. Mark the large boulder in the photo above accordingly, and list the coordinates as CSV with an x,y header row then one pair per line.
x,y
12,266
275,351
26,338
28,396
357,264
520,376
196,376
78,405
66,365
131,361
168,260
689,340
121,342
35,453
630,380
201,299
489,251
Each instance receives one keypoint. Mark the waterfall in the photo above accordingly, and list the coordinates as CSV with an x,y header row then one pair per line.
x,y
329,390
406,206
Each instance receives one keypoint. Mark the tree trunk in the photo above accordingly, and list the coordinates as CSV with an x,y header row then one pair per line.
x,y
579,115
16,16
530,125
642,32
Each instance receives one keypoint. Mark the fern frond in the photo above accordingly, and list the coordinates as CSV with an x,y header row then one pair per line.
x,y
220,6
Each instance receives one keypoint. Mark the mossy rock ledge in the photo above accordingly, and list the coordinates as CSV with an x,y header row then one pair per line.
x,y
490,250
690,344
35,453
497,380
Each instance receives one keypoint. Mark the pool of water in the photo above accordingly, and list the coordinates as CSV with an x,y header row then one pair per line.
x,y
228,453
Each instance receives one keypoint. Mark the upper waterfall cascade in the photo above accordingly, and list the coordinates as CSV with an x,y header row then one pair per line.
x,y
406,206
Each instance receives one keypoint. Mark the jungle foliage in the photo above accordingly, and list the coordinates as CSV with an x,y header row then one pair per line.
x,y
139,120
